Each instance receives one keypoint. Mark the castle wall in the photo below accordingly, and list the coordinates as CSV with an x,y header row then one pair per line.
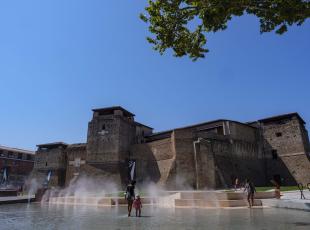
x,y
185,162
305,138
244,132
222,161
224,150
50,159
220,156
206,166
154,161
286,145
103,147
108,142
236,154
76,159
127,136
141,132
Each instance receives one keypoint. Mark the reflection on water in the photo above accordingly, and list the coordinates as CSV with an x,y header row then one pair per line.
x,y
36,216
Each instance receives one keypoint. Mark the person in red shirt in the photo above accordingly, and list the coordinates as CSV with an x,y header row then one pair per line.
x,y
138,205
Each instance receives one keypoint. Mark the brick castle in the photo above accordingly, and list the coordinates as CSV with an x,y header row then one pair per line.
x,y
206,155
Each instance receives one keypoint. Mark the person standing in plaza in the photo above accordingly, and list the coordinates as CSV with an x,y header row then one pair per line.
x,y
130,195
250,190
236,185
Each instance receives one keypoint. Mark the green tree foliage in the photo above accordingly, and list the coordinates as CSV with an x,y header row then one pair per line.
x,y
183,24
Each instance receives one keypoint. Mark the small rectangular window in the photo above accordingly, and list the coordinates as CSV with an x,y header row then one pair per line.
x,y
220,130
10,154
20,156
274,153
279,134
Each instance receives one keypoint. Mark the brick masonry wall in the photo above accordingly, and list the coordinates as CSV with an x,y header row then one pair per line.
x,y
54,160
50,159
242,132
168,159
154,161
206,166
76,159
185,162
18,170
108,143
287,138
113,144
57,178
104,173
20,167
221,161
103,147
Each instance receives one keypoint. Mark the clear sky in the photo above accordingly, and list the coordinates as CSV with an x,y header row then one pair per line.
x,y
61,58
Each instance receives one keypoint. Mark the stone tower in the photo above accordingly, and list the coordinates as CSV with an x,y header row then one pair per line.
x,y
287,148
50,159
111,132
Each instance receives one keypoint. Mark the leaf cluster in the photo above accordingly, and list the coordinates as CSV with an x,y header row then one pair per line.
x,y
182,25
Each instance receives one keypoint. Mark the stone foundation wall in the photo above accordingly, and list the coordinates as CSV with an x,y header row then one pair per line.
x,y
57,178
106,173
299,168
154,161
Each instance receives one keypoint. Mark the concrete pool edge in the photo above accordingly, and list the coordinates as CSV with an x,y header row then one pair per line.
x,y
16,199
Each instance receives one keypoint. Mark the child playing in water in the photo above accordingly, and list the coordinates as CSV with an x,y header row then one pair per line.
x,y
138,205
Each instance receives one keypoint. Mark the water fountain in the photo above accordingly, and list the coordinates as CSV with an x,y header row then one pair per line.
x,y
89,192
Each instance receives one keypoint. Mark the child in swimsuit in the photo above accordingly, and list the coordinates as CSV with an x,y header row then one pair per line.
x,y
138,205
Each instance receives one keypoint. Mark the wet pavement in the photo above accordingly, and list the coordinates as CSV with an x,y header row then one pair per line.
x,y
36,216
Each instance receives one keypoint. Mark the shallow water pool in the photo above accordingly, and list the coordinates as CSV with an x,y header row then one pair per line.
x,y
36,216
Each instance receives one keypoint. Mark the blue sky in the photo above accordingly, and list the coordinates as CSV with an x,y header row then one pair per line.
x,y
60,59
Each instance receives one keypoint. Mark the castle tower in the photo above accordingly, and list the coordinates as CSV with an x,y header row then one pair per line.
x,y
50,164
287,148
111,132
